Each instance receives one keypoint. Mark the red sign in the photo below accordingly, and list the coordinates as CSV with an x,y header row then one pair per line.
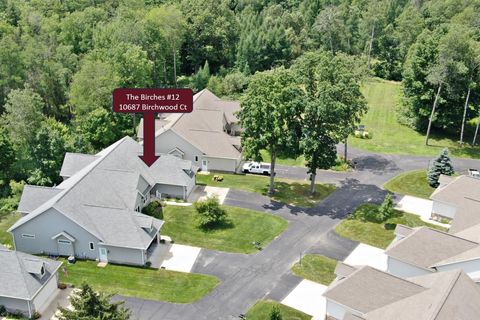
x,y
136,100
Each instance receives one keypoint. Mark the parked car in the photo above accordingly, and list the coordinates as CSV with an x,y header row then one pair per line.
x,y
474,173
257,168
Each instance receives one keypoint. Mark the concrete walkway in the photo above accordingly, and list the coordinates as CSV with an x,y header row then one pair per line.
x,y
219,193
307,297
420,207
180,258
367,255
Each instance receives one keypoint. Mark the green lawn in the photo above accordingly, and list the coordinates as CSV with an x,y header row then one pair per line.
x,y
389,136
373,233
262,309
413,183
144,283
298,162
316,268
287,191
245,227
6,221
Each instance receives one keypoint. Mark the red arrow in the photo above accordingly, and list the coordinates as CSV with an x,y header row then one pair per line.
x,y
149,156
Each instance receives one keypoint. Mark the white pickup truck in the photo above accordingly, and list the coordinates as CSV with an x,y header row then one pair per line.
x,y
257,167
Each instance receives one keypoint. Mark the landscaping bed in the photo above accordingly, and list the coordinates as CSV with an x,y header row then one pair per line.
x,y
377,234
163,285
316,268
412,183
262,309
292,192
243,227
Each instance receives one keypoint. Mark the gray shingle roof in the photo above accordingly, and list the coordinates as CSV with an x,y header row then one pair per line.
x,y
18,270
457,190
466,216
74,162
425,247
203,127
377,295
368,289
101,196
450,295
34,196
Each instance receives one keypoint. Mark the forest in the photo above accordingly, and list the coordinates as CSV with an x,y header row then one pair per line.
x,y
61,59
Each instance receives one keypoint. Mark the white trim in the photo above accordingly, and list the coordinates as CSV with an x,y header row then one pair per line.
x,y
64,234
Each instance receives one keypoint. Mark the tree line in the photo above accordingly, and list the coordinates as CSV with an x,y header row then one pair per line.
x,y
61,59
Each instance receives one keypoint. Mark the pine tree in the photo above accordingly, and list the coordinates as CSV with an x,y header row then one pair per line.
x,y
441,165
275,314
88,304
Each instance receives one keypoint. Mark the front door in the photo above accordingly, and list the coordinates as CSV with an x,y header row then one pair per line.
x,y
65,248
102,254
204,165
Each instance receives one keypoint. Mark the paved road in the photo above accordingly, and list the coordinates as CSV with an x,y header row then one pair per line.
x,y
372,168
248,278
266,274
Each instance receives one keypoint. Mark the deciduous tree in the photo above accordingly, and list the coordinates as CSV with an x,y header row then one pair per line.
x,y
270,115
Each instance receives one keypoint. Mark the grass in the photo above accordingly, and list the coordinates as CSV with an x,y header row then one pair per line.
x,y
292,192
144,283
246,226
316,268
6,221
340,165
412,183
298,162
374,233
262,309
389,136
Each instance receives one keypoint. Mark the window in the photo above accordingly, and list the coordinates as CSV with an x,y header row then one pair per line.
x,y
92,247
64,241
28,236
42,271
196,158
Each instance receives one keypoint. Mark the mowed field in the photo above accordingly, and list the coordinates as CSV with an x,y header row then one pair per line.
x,y
389,136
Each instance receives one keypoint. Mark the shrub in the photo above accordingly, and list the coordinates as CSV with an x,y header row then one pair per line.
x,y
210,213
441,165
62,286
154,209
148,264
390,226
37,315
3,311
275,314
386,210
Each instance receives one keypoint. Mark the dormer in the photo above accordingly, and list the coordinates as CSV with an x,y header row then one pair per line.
x,y
35,267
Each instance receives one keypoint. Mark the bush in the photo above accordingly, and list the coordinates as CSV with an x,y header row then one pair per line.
x,y
154,209
386,210
3,311
210,213
37,315
148,264
363,134
62,286
275,314
390,226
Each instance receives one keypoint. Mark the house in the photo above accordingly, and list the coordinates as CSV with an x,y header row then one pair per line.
x,y
420,251
27,283
96,212
370,294
451,195
208,136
